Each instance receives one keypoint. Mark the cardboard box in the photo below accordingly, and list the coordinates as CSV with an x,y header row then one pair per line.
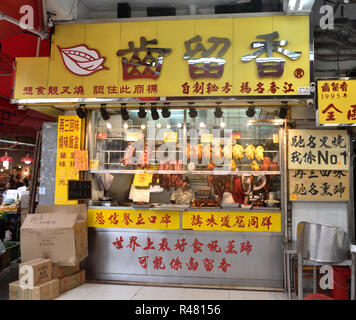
x,y
41,270
59,233
46,291
62,272
72,281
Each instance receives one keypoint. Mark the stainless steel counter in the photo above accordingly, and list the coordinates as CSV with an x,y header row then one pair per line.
x,y
229,258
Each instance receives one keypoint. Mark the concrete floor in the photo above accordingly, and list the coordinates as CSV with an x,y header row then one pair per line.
x,y
95,291
102,291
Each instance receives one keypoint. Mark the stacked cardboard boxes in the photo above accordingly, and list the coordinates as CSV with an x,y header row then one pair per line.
x,y
58,234
35,282
69,277
40,280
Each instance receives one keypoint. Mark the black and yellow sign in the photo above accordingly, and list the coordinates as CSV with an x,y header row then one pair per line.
x,y
318,149
319,185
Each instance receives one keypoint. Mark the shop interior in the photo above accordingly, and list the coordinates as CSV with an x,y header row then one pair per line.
x,y
231,156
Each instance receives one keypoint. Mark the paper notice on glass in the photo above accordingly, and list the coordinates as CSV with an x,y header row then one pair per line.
x,y
141,195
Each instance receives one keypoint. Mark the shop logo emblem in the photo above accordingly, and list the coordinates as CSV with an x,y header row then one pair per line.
x,y
81,60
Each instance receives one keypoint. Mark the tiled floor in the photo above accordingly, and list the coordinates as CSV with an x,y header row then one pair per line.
x,y
94,291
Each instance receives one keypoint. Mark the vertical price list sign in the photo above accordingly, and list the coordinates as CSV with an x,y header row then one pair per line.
x,y
69,140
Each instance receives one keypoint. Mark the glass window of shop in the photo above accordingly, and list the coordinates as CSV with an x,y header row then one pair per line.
x,y
233,160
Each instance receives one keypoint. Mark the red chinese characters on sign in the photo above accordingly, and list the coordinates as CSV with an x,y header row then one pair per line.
x,y
351,114
164,245
176,264
224,265
149,245
197,221
180,245
202,88
99,218
143,261
211,221
113,218
118,243
192,263
158,263
213,246
133,244
330,110
166,219
127,219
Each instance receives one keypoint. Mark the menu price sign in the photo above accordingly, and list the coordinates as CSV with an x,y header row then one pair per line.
x,y
336,102
318,149
69,140
79,189
319,185
81,160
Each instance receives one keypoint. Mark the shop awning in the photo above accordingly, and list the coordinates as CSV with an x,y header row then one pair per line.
x,y
20,122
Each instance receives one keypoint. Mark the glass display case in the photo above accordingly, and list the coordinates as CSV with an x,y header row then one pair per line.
x,y
231,160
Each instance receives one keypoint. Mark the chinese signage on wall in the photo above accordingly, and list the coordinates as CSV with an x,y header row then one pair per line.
x,y
69,140
232,221
318,165
197,57
189,255
319,185
336,102
318,149
136,219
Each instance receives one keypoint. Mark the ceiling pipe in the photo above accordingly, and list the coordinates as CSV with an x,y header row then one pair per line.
x,y
7,18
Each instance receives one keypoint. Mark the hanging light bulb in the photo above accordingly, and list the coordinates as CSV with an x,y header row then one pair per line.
x,y
124,114
27,159
192,112
218,112
165,112
81,111
6,160
250,112
154,113
142,112
104,113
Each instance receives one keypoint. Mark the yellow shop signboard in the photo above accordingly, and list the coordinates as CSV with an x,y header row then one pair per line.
x,y
176,58
336,102
69,141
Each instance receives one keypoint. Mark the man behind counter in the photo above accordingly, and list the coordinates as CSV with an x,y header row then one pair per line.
x,y
184,195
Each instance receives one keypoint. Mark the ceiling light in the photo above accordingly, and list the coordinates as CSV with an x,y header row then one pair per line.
x,y
168,126
179,125
202,124
124,114
165,112
222,124
81,111
27,159
159,125
218,112
142,113
154,113
108,125
126,125
250,112
192,112
143,127
104,113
